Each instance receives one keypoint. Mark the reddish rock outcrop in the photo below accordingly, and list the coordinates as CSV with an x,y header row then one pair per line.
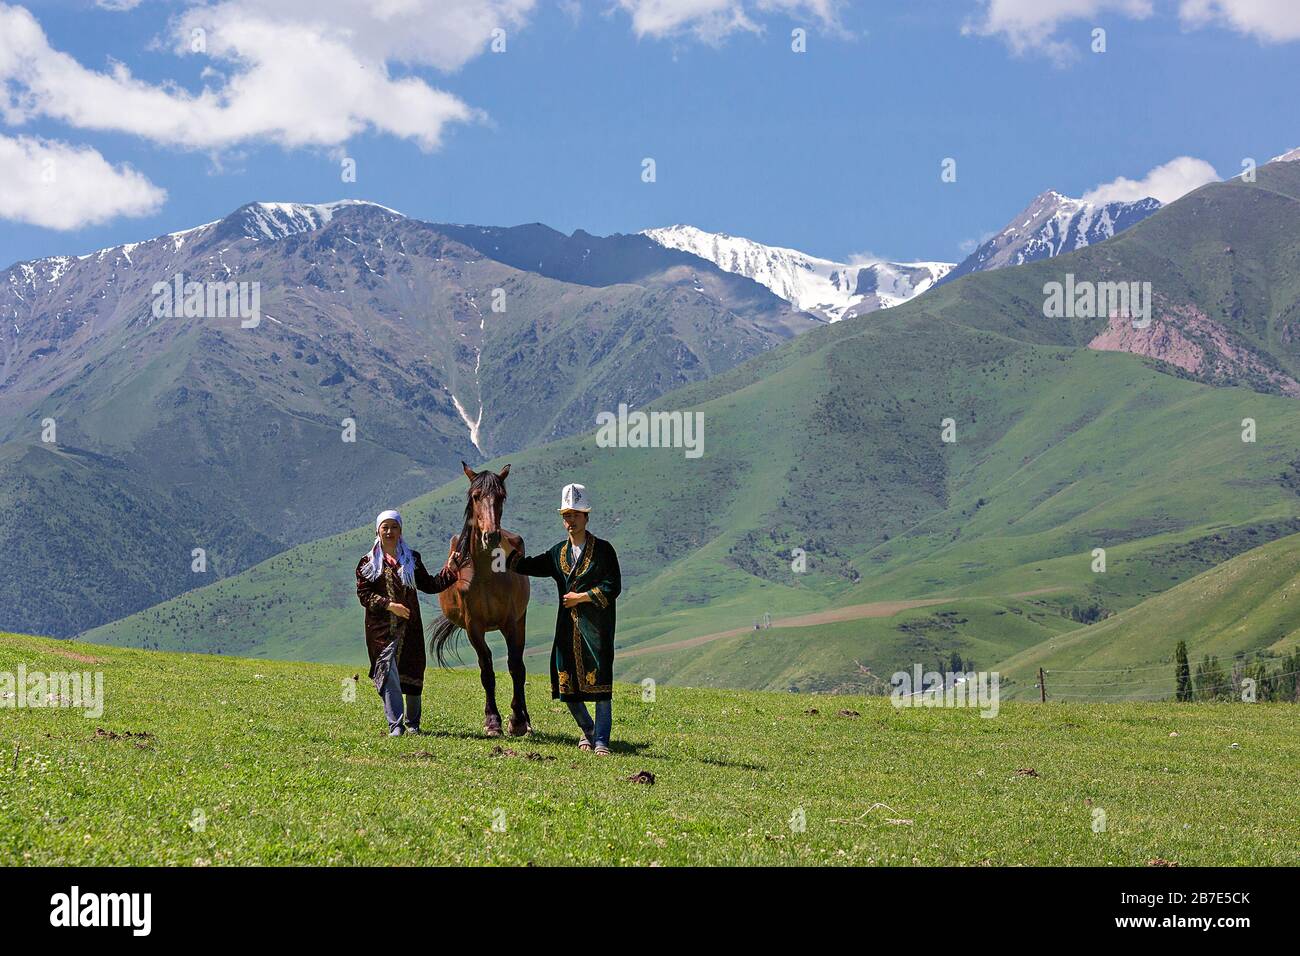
x,y
1186,337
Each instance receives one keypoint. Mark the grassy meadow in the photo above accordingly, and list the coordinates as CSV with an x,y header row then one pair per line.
x,y
207,760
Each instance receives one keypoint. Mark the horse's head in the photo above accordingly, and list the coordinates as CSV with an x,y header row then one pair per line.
x,y
485,499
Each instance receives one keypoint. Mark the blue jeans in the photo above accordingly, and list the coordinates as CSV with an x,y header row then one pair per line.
x,y
391,694
413,707
597,732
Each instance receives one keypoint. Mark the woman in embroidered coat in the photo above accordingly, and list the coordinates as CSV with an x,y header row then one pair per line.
x,y
388,579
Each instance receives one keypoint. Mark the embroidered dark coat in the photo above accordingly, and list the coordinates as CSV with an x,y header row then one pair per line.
x,y
383,627
582,658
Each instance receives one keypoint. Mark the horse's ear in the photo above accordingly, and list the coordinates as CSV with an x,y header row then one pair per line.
x,y
468,474
504,471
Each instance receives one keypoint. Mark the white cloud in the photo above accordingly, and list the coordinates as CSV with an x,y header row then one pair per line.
x,y
967,246
293,73
713,20
571,9
290,72
1030,26
1166,182
1275,21
59,186
443,34
309,72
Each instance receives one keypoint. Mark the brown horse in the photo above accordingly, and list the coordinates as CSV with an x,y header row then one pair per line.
x,y
486,597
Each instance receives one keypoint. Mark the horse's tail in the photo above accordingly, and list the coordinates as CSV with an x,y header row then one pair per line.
x,y
441,631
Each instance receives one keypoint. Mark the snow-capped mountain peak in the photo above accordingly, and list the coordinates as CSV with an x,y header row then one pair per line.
x,y
276,220
832,290
1051,225
258,221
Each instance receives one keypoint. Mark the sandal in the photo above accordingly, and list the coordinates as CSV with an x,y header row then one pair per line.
x,y
602,750
584,743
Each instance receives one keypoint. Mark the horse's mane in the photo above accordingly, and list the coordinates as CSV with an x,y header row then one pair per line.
x,y
486,481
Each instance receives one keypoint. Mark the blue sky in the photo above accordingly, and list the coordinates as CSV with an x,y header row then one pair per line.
x,y
835,151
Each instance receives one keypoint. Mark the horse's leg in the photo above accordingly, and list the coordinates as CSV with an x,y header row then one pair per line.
x,y
519,723
491,716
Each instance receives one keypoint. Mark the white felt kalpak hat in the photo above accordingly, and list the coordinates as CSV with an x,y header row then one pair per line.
x,y
574,498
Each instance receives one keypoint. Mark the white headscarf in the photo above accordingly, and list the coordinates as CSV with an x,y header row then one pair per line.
x,y
374,567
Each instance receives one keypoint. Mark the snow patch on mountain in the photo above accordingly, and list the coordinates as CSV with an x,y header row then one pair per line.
x,y
276,220
259,221
472,424
1051,225
832,290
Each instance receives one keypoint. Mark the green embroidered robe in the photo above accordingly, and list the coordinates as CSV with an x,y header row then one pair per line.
x,y
582,659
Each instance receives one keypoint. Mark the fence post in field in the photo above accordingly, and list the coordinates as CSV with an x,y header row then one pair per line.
x,y
1042,686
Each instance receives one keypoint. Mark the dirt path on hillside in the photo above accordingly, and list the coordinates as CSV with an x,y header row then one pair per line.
x,y
83,658
1021,594
852,612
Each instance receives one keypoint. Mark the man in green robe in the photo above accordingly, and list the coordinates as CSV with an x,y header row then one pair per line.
x,y
586,575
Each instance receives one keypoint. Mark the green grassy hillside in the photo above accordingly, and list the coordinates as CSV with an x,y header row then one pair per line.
x,y
855,656
1058,460
201,760
832,444
1229,250
1247,606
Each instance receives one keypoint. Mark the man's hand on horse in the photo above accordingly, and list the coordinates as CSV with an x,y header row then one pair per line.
x,y
400,610
573,599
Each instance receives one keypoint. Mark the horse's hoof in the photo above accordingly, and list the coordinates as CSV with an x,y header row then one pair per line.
x,y
492,728
520,728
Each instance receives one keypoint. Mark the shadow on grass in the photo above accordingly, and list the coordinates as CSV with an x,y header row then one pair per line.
x,y
626,748
735,765
571,740
622,747
466,735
